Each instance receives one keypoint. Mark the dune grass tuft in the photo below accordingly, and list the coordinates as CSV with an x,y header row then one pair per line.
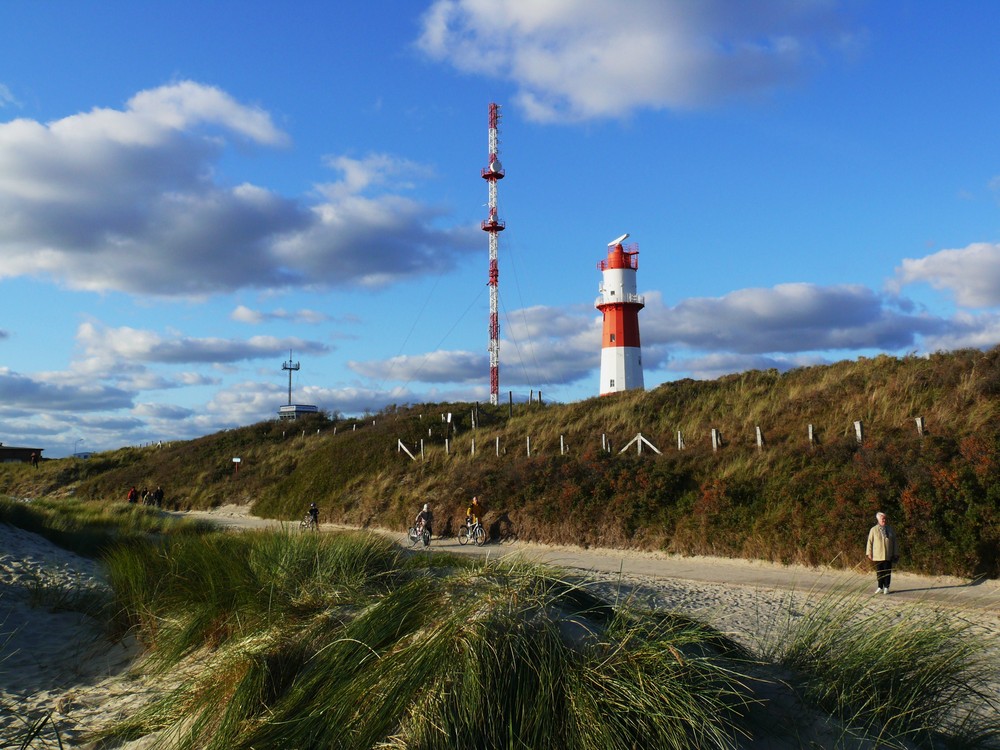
x,y
89,527
344,641
906,674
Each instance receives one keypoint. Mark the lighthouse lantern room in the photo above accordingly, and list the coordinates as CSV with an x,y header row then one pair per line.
x,y
621,353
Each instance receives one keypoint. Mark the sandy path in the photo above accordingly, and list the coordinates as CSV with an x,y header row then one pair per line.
x,y
982,595
54,659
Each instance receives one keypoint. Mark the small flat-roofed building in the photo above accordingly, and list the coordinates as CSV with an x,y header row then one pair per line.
x,y
10,454
294,411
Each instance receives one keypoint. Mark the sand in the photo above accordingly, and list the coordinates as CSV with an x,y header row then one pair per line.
x,y
60,663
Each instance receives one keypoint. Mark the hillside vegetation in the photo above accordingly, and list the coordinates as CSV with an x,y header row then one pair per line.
x,y
791,501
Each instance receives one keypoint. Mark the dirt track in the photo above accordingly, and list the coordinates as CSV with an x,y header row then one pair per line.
x,y
907,587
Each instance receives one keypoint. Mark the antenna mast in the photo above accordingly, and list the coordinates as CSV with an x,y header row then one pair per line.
x,y
494,226
290,367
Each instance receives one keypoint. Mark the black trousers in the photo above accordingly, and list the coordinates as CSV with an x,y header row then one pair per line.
x,y
883,573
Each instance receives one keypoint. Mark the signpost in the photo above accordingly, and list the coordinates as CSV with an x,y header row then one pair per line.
x,y
236,467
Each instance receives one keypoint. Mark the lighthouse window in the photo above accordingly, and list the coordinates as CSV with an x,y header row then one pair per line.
x,y
612,338
612,385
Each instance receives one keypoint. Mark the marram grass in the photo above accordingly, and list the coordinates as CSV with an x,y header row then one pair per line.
x,y
903,675
342,641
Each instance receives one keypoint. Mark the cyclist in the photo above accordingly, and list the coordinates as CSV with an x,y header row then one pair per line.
x,y
425,520
314,514
474,513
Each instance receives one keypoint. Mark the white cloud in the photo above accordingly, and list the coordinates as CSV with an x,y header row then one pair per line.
x,y
126,200
966,331
434,367
713,366
102,345
786,318
582,59
971,273
248,402
375,170
162,411
19,391
7,97
243,314
747,328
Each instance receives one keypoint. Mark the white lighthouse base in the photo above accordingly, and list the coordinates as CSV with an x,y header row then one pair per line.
x,y
621,369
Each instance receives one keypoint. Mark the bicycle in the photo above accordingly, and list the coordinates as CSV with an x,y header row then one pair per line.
x,y
308,523
418,533
473,531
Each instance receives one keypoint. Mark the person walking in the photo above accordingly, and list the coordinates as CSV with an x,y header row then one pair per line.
x,y
883,550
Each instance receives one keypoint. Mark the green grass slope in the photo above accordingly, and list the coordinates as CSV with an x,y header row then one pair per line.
x,y
790,501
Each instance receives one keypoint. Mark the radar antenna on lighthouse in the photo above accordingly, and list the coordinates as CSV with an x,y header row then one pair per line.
x,y
492,174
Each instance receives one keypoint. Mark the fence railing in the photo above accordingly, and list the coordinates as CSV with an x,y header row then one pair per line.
x,y
640,441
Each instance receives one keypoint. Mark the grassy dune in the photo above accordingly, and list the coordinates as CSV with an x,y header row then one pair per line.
x,y
790,502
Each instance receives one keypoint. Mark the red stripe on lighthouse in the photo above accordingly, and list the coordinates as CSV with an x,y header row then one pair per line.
x,y
621,325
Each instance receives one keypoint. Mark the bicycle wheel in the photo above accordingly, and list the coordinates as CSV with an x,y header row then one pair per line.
x,y
305,523
413,535
463,534
479,535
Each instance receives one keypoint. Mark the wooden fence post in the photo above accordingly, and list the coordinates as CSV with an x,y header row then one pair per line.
x,y
639,439
859,432
680,440
529,445
562,446
920,426
812,437
716,439
401,447
760,439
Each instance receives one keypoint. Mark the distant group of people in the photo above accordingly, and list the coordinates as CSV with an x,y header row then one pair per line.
x,y
146,496
425,517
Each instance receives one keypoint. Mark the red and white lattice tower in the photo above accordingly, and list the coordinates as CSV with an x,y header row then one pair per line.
x,y
494,226
621,354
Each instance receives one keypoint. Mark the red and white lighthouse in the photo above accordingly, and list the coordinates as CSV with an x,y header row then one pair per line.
x,y
621,353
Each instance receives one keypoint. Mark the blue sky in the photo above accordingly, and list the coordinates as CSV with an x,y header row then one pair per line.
x,y
190,190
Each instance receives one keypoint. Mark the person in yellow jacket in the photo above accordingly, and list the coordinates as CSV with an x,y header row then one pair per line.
x,y
883,550
474,514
